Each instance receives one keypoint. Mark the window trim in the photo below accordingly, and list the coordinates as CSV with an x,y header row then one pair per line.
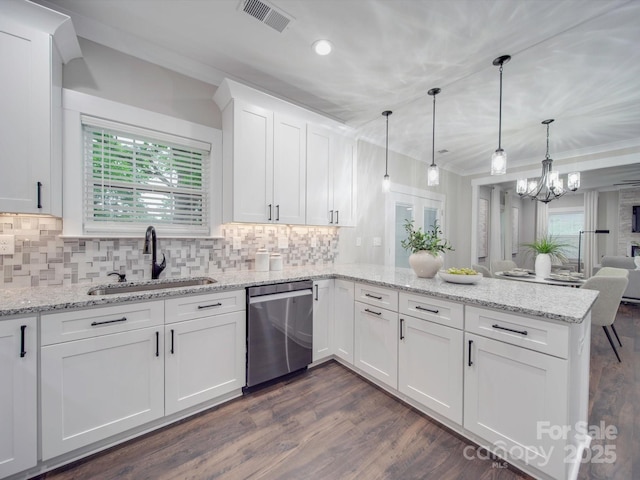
x,y
75,105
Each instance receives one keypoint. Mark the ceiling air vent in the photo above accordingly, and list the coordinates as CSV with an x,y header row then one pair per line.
x,y
267,14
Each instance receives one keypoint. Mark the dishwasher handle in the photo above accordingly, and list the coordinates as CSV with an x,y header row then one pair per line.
x,y
279,296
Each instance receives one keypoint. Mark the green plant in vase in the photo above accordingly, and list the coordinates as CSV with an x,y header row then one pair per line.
x,y
547,249
425,247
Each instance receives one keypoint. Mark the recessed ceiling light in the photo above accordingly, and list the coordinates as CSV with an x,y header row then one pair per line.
x,y
322,47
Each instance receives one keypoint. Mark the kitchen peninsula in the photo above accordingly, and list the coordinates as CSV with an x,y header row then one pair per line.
x,y
498,362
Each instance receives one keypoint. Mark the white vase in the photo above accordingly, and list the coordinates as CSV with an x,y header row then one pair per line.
x,y
425,264
543,265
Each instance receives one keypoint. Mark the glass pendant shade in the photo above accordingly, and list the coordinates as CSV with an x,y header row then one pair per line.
x,y
573,181
499,162
433,176
386,183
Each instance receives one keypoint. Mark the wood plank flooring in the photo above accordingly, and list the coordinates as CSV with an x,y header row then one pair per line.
x,y
331,424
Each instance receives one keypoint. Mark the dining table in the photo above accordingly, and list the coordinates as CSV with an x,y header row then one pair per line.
x,y
530,276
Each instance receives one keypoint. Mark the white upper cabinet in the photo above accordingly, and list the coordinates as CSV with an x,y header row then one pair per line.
x,y
282,163
30,100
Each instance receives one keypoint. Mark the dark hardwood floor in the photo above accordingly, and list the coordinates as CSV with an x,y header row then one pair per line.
x,y
331,424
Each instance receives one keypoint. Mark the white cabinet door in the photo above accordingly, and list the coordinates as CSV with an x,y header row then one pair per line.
x,y
319,176
289,174
18,395
376,342
430,366
322,319
510,395
100,386
344,182
205,358
26,137
343,308
252,164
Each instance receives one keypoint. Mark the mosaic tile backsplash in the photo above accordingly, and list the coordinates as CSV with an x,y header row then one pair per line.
x,y
43,258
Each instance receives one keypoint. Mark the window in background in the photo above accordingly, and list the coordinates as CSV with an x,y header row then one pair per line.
x,y
565,225
135,177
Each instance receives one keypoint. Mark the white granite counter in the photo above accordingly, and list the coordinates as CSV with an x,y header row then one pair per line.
x,y
546,301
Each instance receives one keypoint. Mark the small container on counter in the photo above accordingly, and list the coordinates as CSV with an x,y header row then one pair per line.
x,y
275,262
262,260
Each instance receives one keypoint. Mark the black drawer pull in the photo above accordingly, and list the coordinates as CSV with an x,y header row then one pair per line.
x,y
200,307
401,332
470,362
316,299
418,307
337,217
39,185
372,296
521,332
172,341
371,311
157,344
23,352
269,213
277,213
117,320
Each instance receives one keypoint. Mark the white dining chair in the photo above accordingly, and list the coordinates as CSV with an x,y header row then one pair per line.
x,y
486,273
605,308
502,266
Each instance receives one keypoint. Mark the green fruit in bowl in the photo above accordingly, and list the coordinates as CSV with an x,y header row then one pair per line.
x,y
461,271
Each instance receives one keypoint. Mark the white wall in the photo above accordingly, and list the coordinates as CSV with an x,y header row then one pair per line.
x,y
113,75
412,173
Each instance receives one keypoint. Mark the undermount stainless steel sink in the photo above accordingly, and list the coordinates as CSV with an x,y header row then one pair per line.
x,y
115,288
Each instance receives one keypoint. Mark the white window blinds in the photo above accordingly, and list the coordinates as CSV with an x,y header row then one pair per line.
x,y
135,177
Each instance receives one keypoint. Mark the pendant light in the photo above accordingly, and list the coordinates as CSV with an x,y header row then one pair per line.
x,y
433,172
386,181
499,157
549,186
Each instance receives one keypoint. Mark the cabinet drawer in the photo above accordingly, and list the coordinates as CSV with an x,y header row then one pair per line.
x,y
538,335
435,310
378,296
198,306
79,324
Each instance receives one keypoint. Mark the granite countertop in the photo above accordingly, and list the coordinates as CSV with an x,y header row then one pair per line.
x,y
545,301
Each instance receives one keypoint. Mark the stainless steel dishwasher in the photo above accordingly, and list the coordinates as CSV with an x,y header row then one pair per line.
x,y
279,330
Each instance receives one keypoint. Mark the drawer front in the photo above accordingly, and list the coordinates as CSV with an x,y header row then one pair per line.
x,y
538,335
378,296
435,310
79,324
198,306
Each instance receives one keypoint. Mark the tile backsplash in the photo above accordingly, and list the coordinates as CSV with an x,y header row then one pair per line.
x,y
42,257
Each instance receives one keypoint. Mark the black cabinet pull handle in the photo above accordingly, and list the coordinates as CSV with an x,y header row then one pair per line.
x,y
331,212
521,332
172,341
470,362
157,344
200,307
117,320
372,296
337,217
23,352
39,184
277,213
269,213
424,309
401,329
371,311
316,292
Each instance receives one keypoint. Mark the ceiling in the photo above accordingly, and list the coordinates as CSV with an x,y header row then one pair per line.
x,y
577,61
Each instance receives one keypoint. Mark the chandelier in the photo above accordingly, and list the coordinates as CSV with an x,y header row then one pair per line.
x,y
549,186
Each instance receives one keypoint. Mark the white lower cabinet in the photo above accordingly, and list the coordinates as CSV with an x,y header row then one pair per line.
x,y
430,366
205,356
343,321
18,395
322,319
512,396
100,386
376,342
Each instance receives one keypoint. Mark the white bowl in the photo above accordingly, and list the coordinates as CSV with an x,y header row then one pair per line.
x,y
454,278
